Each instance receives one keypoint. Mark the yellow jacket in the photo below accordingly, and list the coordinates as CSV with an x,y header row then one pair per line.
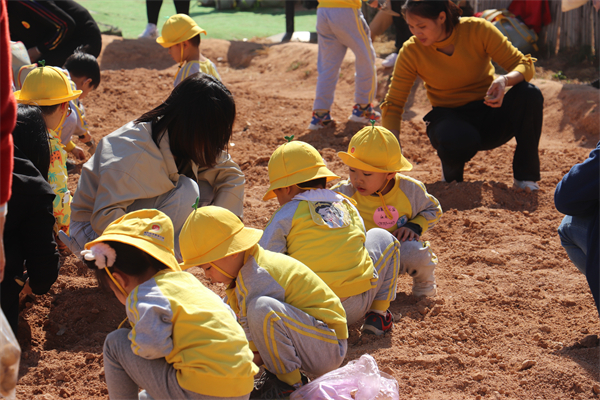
x,y
176,317
283,278
324,231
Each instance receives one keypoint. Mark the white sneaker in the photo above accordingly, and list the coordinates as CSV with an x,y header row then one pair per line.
x,y
151,32
390,60
427,288
526,185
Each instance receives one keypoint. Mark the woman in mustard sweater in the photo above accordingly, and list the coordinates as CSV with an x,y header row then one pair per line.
x,y
471,111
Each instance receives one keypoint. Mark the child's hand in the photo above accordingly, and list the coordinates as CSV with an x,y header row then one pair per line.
x,y
78,153
404,234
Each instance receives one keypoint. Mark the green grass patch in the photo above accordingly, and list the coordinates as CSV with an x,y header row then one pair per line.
x,y
130,17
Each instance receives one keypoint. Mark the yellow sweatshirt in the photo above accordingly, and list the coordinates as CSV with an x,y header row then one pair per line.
x,y
453,81
283,278
176,317
324,231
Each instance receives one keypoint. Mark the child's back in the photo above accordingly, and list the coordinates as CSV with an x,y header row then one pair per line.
x,y
323,230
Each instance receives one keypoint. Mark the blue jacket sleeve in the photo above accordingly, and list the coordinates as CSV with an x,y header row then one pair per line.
x,y
578,191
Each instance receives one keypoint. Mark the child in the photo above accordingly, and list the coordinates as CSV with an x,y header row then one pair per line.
x,y
28,232
324,231
184,341
165,159
392,201
291,318
84,71
181,35
341,25
50,89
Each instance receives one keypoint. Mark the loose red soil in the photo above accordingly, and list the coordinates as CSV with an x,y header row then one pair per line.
x,y
507,291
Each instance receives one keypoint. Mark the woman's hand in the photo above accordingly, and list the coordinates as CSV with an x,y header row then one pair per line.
x,y
495,93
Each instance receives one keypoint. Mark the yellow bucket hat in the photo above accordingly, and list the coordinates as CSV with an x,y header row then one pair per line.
x,y
46,86
375,149
211,233
148,230
293,163
177,29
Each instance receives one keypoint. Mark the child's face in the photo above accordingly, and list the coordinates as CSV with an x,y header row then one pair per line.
x,y
84,84
227,264
175,52
366,182
286,194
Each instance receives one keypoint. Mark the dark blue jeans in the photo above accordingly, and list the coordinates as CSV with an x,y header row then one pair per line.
x,y
459,133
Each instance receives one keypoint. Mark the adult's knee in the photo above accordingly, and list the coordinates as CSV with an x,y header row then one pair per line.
x,y
530,94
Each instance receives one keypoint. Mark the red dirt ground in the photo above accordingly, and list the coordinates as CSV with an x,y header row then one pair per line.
x,y
507,291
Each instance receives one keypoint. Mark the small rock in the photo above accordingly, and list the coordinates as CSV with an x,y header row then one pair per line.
x,y
527,364
523,382
596,389
60,376
90,356
95,311
537,337
585,330
478,376
462,335
545,329
389,371
480,278
497,395
478,397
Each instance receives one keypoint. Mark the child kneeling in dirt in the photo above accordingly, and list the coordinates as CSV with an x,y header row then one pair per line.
x,y
324,231
181,36
392,201
50,89
292,319
184,342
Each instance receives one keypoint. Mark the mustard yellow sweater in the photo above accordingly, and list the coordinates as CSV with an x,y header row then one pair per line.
x,y
453,81
340,3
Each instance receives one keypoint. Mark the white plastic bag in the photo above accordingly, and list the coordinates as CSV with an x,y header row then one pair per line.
x,y
10,355
358,380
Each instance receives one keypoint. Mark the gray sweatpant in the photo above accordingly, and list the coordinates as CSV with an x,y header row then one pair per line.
x,y
384,250
177,204
127,372
288,339
338,30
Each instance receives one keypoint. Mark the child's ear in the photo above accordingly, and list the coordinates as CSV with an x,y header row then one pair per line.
x,y
121,278
390,176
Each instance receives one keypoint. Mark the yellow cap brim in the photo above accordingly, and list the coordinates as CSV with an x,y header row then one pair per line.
x,y
46,102
354,162
196,30
299,177
162,254
238,242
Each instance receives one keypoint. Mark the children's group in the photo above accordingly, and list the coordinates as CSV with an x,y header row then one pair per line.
x,y
161,194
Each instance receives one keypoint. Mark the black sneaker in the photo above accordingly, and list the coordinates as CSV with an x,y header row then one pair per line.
x,y
268,386
377,324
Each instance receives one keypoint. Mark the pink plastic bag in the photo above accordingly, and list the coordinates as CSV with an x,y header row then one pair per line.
x,y
10,355
358,380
